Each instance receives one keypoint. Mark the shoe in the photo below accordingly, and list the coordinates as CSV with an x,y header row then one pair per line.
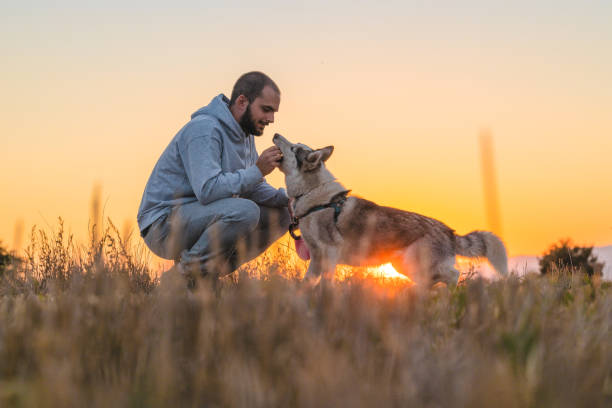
x,y
173,278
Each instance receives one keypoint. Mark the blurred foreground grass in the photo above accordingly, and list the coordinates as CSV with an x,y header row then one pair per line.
x,y
93,327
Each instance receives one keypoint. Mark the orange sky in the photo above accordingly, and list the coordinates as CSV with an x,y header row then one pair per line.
x,y
93,94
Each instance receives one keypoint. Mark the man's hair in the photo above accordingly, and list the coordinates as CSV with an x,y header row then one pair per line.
x,y
250,85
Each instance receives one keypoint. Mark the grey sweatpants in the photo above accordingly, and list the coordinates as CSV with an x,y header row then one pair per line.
x,y
222,235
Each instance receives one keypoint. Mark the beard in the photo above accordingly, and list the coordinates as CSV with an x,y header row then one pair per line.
x,y
248,124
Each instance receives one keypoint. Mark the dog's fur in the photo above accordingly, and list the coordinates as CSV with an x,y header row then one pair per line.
x,y
367,234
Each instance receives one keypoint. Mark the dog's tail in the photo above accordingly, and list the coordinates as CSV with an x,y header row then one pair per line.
x,y
484,244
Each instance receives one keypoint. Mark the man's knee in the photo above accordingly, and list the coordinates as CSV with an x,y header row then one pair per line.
x,y
275,223
242,212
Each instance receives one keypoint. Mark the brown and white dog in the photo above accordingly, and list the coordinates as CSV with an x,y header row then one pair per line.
x,y
349,230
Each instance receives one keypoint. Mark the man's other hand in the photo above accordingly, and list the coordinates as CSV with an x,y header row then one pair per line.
x,y
269,159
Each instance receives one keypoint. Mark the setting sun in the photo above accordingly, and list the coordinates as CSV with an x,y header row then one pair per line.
x,y
386,271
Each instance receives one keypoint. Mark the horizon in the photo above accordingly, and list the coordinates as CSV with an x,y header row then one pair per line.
x,y
94,93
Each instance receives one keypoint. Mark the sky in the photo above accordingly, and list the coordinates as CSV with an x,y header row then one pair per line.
x,y
93,93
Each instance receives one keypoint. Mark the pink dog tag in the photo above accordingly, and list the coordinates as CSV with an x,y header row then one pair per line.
x,y
302,249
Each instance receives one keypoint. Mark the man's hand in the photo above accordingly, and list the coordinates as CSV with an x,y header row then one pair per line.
x,y
269,159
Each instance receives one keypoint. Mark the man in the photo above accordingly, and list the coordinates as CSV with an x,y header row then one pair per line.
x,y
206,204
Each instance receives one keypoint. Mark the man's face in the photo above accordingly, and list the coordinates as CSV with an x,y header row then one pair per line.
x,y
260,112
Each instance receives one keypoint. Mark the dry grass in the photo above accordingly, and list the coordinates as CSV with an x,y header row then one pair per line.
x,y
90,327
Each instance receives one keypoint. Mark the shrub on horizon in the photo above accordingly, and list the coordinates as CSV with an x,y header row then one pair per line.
x,y
5,258
564,256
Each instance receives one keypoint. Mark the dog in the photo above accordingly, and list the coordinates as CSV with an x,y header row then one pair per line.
x,y
343,229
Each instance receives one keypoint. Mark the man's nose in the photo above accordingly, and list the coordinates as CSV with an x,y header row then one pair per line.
x,y
271,117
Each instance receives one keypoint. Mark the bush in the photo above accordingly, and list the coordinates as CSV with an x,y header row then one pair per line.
x,y
5,259
564,256
53,260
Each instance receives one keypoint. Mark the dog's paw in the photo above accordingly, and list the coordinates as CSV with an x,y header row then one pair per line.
x,y
310,281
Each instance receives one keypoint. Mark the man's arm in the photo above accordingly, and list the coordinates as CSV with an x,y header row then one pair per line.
x,y
201,157
266,195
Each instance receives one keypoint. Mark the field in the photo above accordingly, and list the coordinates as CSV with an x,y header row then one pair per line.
x,y
92,327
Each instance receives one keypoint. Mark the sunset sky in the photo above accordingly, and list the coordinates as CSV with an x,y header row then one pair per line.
x,y
402,89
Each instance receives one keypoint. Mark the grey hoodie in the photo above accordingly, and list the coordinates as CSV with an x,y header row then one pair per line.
x,y
210,158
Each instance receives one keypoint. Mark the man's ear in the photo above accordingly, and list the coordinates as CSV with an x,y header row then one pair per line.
x,y
239,107
242,102
314,159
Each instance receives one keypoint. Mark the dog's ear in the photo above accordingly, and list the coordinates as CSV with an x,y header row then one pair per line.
x,y
327,151
314,159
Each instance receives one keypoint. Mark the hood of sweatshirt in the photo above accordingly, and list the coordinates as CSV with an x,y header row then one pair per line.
x,y
218,108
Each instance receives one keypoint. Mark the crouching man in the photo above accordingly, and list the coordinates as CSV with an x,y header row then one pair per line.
x,y
206,204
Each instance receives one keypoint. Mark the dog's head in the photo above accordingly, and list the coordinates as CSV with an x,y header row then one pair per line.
x,y
303,167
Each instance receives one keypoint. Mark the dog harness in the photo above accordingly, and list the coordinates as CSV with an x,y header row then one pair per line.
x,y
337,202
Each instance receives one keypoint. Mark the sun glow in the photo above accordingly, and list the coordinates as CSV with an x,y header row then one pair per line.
x,y
386,271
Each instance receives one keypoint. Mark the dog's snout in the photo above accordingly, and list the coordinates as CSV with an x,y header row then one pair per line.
x,y
278,139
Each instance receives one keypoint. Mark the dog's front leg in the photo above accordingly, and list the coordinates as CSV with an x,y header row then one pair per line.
x,y
314,268
322,265
328,268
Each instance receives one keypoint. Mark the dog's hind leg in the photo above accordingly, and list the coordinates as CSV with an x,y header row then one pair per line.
x,y
414,262
445,271
418,263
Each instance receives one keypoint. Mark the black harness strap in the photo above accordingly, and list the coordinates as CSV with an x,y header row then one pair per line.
x,y
337,202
